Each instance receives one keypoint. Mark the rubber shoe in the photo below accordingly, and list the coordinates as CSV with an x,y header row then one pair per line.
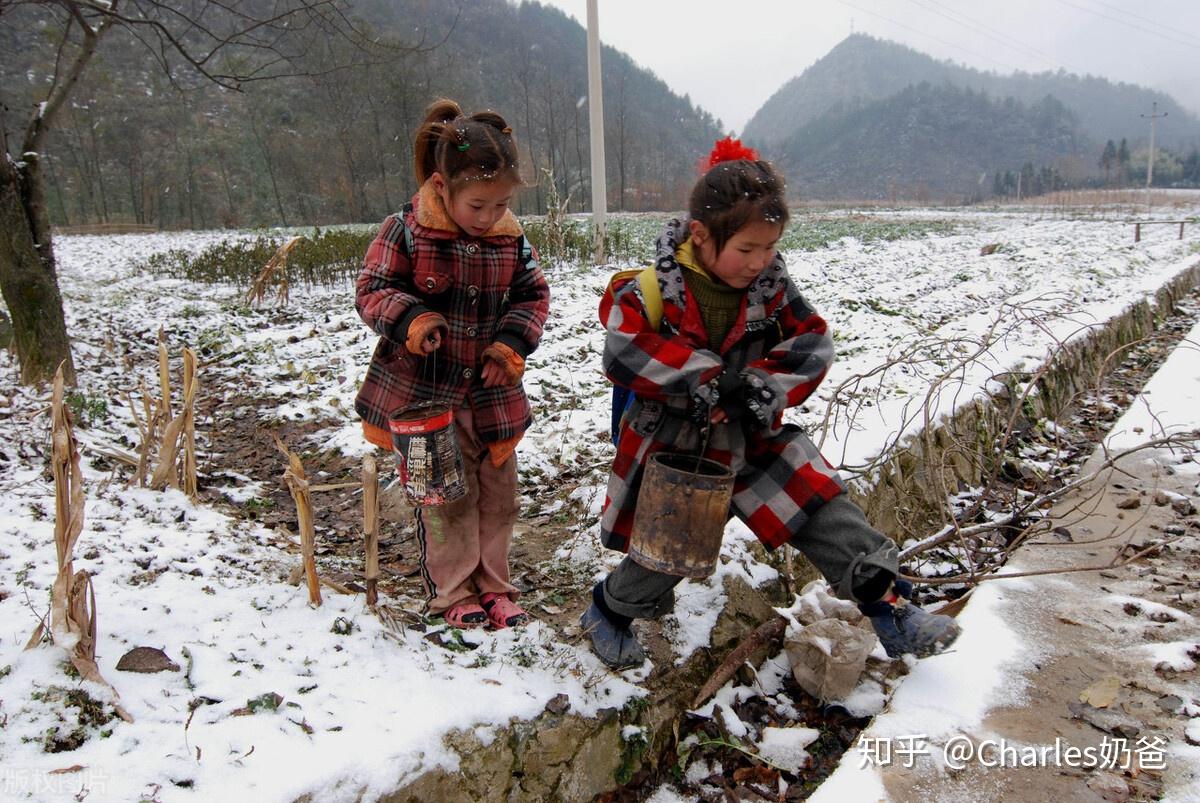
x,y
907,628
616,647
503,612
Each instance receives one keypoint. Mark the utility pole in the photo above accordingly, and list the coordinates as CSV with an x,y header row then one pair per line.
x,y
1154,115
596,132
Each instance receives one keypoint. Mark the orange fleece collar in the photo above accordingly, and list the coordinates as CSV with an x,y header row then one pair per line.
x,y
432,214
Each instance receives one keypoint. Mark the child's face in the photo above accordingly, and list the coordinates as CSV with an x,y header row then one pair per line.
x,y
477,205
746,254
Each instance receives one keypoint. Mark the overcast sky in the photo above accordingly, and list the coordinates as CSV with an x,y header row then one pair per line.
x,y
731,56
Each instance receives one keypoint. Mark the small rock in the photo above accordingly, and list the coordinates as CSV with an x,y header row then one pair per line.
x,y
146,659
1129,503
1161,499
1171,703
1106,720
559,704
1109,787
1183,506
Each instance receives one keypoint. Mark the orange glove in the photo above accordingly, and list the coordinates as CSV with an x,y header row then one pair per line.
x,y
510,362
500,451
428,327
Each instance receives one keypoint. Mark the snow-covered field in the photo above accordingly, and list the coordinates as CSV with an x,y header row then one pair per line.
x,y
361,708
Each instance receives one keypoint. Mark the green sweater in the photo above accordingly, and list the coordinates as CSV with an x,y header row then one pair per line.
x,y
719,303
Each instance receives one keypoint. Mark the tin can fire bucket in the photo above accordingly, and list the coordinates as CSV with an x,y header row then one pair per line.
x,y
426,447
681,512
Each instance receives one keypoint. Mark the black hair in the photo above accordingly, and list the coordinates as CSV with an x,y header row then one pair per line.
x,y
461,148
736,192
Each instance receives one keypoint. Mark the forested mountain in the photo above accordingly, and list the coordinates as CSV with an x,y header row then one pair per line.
x,y
926,143
333,143
874,119
862,69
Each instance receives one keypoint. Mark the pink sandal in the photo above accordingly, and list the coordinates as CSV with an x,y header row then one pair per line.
x,y
502,611
465,615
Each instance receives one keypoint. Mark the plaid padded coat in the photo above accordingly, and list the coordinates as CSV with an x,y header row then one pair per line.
x,y
779,347
489,289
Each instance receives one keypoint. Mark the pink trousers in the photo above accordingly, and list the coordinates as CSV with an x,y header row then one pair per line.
x,y
464,544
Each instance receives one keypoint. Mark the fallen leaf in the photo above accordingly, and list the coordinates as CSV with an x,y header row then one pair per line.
x,y
1101,693
763,775
65,770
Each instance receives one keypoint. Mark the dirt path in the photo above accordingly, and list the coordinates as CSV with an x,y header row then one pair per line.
x,y
1133,627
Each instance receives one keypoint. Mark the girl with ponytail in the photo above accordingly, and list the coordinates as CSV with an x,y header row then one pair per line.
x,y
454,291
714,352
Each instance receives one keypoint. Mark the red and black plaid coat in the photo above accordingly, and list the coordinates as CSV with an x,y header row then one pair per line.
x,y
487,288
780,348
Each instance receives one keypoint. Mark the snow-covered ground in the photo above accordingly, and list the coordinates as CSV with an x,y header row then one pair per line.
x,y
363,709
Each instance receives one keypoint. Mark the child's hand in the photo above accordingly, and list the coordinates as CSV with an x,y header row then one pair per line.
x,y
432,342
425,333
493,374
501,366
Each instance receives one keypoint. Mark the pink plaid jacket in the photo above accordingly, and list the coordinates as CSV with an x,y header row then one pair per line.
x,y
782,352
489,289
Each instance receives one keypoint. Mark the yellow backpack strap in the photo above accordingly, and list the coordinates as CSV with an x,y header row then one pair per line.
x,y
652,295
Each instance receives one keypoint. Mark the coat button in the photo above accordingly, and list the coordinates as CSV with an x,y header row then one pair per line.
x,y
472,331
468,373
472,248
472,291
430,283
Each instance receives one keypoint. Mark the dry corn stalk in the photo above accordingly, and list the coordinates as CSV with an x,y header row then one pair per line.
x,y
72,598
297,483
166,473
148,432
179,435
276,266
189,423
370,484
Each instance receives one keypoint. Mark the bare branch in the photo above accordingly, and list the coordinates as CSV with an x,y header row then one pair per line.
x,y
1044,500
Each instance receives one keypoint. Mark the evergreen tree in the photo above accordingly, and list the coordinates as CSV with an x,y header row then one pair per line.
x,y
1191,168
1108,160
1122,162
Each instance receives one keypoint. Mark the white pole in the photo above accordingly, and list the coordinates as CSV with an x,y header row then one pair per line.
x,y
1154,115
596,129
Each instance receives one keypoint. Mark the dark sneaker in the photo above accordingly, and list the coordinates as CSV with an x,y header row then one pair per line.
x,y
616,646
908,628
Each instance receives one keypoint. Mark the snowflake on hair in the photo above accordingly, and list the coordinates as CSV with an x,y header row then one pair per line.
x,y
728,150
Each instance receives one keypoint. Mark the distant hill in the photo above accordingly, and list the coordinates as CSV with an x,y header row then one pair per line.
x,y
926,142
862,69
875,119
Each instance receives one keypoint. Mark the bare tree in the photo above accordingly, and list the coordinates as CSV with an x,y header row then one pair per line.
x,y
224,42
